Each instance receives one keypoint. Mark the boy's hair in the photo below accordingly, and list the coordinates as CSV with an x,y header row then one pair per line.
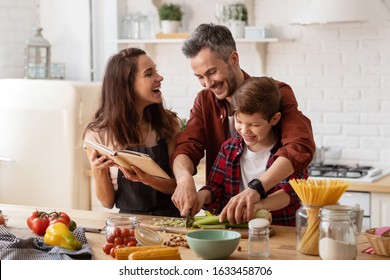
x,y
217,38
257,95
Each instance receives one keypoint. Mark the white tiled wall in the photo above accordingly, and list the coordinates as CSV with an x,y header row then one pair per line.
x,y
340,73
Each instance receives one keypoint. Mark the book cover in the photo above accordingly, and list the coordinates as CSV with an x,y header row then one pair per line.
x,y
127,158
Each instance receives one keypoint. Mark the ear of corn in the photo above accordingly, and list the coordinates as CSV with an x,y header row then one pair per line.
x,y
168,253
124,252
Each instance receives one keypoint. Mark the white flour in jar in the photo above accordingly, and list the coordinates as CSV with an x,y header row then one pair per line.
x,y
331,249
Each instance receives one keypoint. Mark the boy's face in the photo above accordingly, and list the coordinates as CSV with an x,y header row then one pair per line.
x,y
256,130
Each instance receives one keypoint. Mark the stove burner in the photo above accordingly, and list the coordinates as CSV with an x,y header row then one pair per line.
x,y
338,171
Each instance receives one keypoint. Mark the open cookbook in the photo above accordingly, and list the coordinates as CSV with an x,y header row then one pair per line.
x,y
128,158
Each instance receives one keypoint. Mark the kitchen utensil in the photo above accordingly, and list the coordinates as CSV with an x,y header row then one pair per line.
x,y
189,221
213,244
94,230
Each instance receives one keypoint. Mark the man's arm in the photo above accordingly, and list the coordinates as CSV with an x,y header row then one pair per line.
x,y
296,131
185,195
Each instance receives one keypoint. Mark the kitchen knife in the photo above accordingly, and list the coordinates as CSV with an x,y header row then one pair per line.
x,y
189,221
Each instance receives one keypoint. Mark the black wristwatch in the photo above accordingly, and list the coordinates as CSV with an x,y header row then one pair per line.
x,y
256,185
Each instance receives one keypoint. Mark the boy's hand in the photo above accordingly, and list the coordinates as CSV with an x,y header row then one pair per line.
x,y
234,210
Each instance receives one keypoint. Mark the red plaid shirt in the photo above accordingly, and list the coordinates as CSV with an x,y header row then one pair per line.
x,y
224,181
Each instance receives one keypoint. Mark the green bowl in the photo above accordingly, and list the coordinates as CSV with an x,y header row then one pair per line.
x,y
213,244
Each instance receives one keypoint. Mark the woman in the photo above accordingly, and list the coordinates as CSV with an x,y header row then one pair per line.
x,y
131,116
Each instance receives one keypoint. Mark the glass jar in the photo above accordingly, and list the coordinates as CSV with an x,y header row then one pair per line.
x,y
258,238
337,234
144,27
307,222
119,226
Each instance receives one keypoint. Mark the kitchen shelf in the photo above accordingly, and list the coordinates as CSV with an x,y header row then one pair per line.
x,y
175,41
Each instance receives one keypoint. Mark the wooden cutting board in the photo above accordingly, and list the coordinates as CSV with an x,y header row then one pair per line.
x,y
148,223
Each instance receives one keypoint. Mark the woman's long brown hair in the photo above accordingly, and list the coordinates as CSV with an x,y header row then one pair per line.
x,y
116,111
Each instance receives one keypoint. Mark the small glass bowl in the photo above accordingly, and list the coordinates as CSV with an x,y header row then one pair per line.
x,y
147,237
115,226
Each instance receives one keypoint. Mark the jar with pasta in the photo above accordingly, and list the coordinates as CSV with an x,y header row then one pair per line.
x,y
337,234
307,221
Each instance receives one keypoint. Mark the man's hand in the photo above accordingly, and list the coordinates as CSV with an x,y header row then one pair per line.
x,y
185,197
234,210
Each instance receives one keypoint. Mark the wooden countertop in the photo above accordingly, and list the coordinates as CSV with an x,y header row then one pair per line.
x,y
282,243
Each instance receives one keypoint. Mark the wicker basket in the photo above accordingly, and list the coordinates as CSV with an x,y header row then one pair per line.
x,y
380,244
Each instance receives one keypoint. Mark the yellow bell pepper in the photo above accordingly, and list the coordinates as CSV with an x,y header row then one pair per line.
x,y
58,234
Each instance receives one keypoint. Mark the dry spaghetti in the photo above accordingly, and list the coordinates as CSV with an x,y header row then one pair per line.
x,y
315,194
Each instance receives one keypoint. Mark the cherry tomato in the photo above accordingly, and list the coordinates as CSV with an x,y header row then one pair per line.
x,y
118,241
125,232
2,220
107,247
38,222
117,231
112,252
126,239
131,232
59,217
110,238
131,244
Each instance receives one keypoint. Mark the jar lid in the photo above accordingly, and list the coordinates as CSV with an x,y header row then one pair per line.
x,y
147,237
122,221
258,223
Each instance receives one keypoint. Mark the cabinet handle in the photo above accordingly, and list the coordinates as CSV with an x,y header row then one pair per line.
x,y
5,159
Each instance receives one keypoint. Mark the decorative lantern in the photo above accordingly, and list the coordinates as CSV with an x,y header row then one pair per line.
x,y
37,57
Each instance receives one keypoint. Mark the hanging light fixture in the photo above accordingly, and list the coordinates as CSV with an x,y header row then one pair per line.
x,y
339,11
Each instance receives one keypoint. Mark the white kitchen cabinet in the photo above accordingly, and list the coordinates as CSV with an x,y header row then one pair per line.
x,y
380,209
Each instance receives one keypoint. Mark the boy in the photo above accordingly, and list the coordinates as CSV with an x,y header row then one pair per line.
x,y
244,158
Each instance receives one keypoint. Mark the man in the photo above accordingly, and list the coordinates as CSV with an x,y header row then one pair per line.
x,y
212,53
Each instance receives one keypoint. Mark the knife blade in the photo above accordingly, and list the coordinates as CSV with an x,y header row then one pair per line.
x,y
189,221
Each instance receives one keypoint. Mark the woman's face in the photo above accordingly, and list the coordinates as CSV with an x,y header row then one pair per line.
x,y
147,82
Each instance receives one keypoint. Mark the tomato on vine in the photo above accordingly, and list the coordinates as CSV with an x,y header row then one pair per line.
x,y
38,221
59,217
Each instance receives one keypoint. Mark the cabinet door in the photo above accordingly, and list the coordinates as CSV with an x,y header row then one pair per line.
x,y
380,209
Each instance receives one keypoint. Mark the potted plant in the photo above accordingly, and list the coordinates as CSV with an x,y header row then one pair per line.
x,y
170,17
237,16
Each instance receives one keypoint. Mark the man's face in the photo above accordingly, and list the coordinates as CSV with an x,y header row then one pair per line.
x,y
214,73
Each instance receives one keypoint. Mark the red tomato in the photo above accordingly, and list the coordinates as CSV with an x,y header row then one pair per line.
x,y
112,252
59,217
107,247
125,232
38,222
118,241
131,232
39,225
126,239
117,231
110,238
131,244
2,220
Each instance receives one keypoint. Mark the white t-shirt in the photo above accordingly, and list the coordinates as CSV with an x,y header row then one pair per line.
x,y
253,164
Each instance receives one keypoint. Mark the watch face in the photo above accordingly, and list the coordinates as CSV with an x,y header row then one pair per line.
x,y
258,186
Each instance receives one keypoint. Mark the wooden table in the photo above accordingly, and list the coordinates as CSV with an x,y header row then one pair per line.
x,y
282,243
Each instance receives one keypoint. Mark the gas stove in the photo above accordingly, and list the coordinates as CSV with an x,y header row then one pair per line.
x,y
346,172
